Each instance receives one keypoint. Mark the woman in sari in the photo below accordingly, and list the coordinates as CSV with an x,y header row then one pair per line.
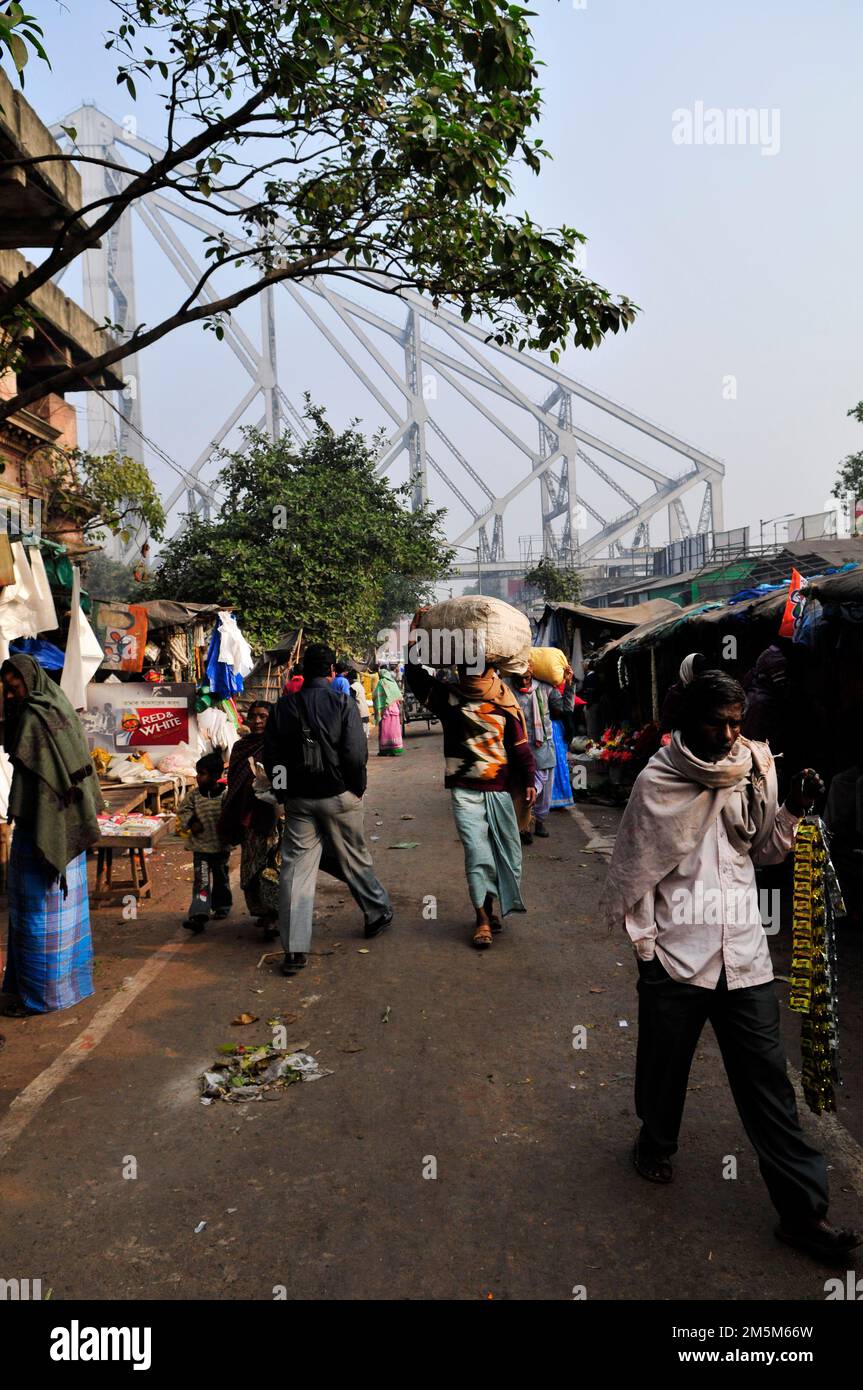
x,y
561,790
247,821
54,801
388,711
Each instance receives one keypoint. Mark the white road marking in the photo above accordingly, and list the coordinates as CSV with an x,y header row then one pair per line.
x,y
33,1097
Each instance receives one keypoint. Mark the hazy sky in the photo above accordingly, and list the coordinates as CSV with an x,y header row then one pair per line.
x,y
742,256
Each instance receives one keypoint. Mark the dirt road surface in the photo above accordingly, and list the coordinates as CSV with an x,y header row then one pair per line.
x,y
462,1147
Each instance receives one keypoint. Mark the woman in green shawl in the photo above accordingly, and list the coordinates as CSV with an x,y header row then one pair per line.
x,y
54,802
388,711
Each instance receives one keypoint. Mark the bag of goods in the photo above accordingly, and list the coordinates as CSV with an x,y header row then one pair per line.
x,y
548,664
475,630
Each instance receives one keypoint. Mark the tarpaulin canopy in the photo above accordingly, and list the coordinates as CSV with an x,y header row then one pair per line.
x,y
846,587
756,608
632,616
163,612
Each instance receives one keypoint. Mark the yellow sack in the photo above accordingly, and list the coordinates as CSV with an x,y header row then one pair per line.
x,y
548,664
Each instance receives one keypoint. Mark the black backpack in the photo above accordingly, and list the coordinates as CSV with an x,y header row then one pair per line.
x,y
311,754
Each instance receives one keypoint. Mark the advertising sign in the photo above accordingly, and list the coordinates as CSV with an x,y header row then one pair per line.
x,y
120,717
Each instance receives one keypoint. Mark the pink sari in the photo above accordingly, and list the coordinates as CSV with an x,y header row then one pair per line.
x,y
390,731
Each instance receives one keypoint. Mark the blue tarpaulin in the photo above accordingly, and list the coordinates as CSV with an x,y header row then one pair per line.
x,y
49,657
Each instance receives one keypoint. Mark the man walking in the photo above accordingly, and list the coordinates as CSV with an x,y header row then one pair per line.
x,y
315,754
702,815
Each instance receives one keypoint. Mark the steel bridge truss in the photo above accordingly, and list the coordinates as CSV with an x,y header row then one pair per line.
x,y
472,367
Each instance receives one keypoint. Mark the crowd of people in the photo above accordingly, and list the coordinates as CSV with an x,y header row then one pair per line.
x,y
703,814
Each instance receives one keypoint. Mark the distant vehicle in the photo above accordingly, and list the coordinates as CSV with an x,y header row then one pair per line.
x,y
412,711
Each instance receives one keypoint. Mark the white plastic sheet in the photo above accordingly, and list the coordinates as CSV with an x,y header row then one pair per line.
x,y
84,656
43,602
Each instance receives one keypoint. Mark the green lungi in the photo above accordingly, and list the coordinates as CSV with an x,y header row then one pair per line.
x,y
488,829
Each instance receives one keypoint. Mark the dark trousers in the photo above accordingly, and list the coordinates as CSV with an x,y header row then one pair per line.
x,y
671,1017
211,890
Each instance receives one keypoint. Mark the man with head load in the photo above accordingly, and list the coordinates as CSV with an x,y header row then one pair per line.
x,y
702,815
487,760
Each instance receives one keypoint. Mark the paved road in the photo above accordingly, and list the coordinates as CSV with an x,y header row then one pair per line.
x,y
322,1191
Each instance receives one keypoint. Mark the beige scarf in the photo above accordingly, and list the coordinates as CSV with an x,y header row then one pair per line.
x,y
674,802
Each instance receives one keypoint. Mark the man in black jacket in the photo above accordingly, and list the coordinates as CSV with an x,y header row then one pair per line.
x,y
315,754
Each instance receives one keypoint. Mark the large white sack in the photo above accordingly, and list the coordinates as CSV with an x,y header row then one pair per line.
x,y
503,632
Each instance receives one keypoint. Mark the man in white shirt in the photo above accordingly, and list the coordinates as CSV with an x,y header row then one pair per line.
x,y
702,815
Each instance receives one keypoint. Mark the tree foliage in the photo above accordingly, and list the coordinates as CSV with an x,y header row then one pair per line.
x,y
555,584
849,479
352,140
308,537
110,579
95,493
20,35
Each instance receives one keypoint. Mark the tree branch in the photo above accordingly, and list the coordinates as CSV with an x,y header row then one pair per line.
x,y
68,379
140,184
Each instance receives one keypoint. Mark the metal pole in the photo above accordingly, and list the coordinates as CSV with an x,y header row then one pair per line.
x,y
478,570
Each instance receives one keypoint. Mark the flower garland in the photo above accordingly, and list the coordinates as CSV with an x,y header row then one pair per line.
x,y
816,904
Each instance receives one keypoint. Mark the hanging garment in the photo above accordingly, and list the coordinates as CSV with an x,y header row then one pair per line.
x,y
222,680
234,650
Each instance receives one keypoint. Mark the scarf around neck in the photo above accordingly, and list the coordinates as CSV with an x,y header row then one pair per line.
x,y
490,688
673,804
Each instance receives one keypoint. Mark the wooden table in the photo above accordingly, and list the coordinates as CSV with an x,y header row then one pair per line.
x,y
121,799
138,882
152,794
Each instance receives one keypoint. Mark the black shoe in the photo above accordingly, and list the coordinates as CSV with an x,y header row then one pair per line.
x,y
375,928
221,914
195,924
651,1167
541,830
819,1239
525,837
294,961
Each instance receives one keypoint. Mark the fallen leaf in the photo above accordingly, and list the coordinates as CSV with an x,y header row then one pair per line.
x,y
385,1016
243,1019
597,989
352,1049
362,950
405,844
408,817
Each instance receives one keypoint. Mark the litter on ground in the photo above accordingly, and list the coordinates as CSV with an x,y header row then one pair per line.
x,y
245,1073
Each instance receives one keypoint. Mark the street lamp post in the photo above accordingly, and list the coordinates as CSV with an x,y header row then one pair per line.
x,y
766,522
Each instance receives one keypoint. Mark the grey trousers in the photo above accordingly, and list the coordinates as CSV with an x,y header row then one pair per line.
x,y
326,834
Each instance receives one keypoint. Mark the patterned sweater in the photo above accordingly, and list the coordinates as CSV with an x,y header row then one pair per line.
x,y
207,809
485,748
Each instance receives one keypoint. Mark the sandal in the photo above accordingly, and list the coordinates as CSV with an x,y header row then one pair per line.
x,y
482,937
653,1169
